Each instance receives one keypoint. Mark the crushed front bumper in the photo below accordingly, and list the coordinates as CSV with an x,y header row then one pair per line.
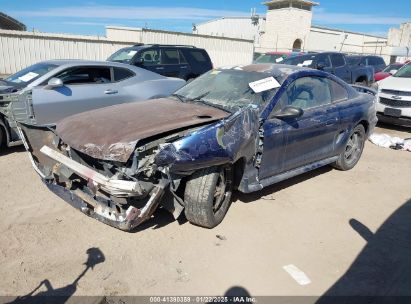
x,y
88,190
89,206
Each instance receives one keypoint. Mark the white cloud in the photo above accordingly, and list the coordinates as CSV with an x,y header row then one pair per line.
x,y
123,12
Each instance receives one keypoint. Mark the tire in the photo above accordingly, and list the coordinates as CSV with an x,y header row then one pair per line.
x,y
207,196
352,151
2,138
363,83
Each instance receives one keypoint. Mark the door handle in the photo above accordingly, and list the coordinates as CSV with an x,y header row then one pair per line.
x,y
184,67
110,92
160,68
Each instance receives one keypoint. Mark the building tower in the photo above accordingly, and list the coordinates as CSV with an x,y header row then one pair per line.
x,y
288,24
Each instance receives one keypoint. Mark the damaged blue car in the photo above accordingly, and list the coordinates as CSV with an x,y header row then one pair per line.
x,y
239,128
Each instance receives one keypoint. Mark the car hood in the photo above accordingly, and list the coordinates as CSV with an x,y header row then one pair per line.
x,y
396,83
112,133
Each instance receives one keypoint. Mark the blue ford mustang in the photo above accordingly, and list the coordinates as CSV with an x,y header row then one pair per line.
x,y
243,128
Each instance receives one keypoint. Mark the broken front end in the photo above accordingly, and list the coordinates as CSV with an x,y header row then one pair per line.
x,y
122,195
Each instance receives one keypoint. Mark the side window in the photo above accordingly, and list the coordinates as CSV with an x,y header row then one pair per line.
x,y
339,93
380,61
170,56
309,92
337,60
198,56
151,57
324,60
85,75
121,74
182,58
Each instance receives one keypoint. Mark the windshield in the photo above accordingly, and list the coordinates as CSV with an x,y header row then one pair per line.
x,y
123,55
353,60
404,72
306,60
392,67
226,89
270,58
31,73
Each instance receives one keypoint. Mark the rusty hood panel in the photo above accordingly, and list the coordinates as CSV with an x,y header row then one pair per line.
x,y
112,133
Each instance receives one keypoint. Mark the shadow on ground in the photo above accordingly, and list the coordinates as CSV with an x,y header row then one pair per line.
x,y
393,127
11,150
62,294
381,273
252,197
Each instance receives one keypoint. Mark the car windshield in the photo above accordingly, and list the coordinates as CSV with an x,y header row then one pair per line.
x,y
353,60
123,55
31,73
392,67
306,60
404,72
228,89
270,58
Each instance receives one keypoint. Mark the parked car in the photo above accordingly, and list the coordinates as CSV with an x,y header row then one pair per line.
x,y
388,71
276,57
240,128
376,62
335,63
51,90
185,62
394,98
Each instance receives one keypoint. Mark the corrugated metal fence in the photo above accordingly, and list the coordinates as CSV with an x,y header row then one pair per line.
x,y
21,49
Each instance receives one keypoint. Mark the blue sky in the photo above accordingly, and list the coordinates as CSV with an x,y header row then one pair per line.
x,y
90,17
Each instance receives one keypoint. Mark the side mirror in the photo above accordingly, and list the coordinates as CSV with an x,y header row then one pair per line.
x,y
320,66
139,61
289,112
392,72
54,83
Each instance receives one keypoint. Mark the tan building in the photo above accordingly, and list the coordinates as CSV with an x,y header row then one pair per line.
x,y
287,26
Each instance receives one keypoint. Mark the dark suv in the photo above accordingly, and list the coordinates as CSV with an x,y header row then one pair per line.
x,y
182,61
375,61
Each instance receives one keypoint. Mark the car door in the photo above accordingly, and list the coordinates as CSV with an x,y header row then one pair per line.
x,y
170,60
150,59
84,88
340,67
290,143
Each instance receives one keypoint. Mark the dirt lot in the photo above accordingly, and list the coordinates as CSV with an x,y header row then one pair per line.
x,y
320,222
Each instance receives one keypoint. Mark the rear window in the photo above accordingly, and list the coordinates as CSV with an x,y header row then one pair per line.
x,y
121,74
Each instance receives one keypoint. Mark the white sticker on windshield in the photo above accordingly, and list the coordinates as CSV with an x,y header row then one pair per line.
x,y
132,53
279,59
264,84
300,65
29,76
307,62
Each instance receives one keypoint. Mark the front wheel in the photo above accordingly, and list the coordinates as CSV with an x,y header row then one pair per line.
x,y
207,196
353,150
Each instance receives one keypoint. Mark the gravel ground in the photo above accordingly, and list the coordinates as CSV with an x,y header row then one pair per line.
x,y
324,222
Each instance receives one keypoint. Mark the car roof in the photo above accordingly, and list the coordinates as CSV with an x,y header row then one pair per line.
x,y
66,63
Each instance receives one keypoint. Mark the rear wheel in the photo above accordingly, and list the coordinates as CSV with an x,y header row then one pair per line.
x,y
207,196
353,150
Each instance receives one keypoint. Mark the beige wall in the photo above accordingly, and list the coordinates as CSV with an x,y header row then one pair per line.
x,y
283,27
223,51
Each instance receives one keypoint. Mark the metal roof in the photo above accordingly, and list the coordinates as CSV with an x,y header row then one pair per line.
x,y
308,2
9,23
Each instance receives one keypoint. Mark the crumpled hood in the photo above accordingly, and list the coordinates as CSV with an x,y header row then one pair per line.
x,y
112,133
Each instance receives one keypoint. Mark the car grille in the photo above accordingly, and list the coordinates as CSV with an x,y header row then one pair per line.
x,y
398,93
395,103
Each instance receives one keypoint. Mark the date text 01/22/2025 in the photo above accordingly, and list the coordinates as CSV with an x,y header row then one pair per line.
x,y
203,299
